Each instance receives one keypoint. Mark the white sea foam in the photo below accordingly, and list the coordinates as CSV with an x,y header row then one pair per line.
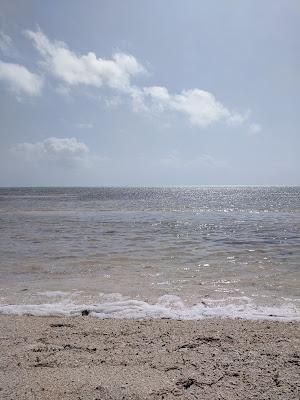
x,y
166,307
53,293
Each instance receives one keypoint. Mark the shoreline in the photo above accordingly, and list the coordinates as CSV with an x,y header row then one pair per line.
x,y
109,359
117,306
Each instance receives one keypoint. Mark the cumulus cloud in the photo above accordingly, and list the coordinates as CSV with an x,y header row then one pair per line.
x,y
73,69
20,79
57,151
199,106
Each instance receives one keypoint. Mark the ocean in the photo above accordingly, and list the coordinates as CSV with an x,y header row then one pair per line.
x,y
180,252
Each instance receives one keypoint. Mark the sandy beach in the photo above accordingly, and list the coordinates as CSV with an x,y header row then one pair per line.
x,y
89,358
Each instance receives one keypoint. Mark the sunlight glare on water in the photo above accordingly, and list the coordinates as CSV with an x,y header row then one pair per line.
x,y
195,249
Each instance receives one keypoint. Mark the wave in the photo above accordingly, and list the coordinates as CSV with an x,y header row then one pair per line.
x,y
167,306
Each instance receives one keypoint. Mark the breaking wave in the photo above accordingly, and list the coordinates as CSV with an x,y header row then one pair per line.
x,y
166,307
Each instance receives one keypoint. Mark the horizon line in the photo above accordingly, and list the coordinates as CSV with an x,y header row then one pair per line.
x,y
142,186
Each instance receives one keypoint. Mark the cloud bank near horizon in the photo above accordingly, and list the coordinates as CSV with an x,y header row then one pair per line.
x,y
66,152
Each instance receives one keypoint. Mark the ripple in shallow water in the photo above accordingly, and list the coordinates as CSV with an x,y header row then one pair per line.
x,y
195,243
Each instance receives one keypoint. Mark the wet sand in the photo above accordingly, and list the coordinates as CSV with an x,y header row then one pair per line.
x,y
88,358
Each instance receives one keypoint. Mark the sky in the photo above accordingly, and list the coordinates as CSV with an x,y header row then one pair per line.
x,y
149,93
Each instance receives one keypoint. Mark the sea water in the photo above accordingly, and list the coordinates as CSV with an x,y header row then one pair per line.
x,y
180,252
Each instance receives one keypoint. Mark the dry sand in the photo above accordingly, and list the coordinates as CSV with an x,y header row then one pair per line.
x,y
88,358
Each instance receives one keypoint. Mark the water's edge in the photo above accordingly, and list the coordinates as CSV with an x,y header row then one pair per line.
x,y
166,307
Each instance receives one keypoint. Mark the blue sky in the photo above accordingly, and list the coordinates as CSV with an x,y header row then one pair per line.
x,y
153,93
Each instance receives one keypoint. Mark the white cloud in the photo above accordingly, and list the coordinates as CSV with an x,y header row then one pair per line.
x,y
113,101
174,160
19,79
255,128
73,69
7,47
5,42
57,151
84,125
201,107
237,119
159,93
